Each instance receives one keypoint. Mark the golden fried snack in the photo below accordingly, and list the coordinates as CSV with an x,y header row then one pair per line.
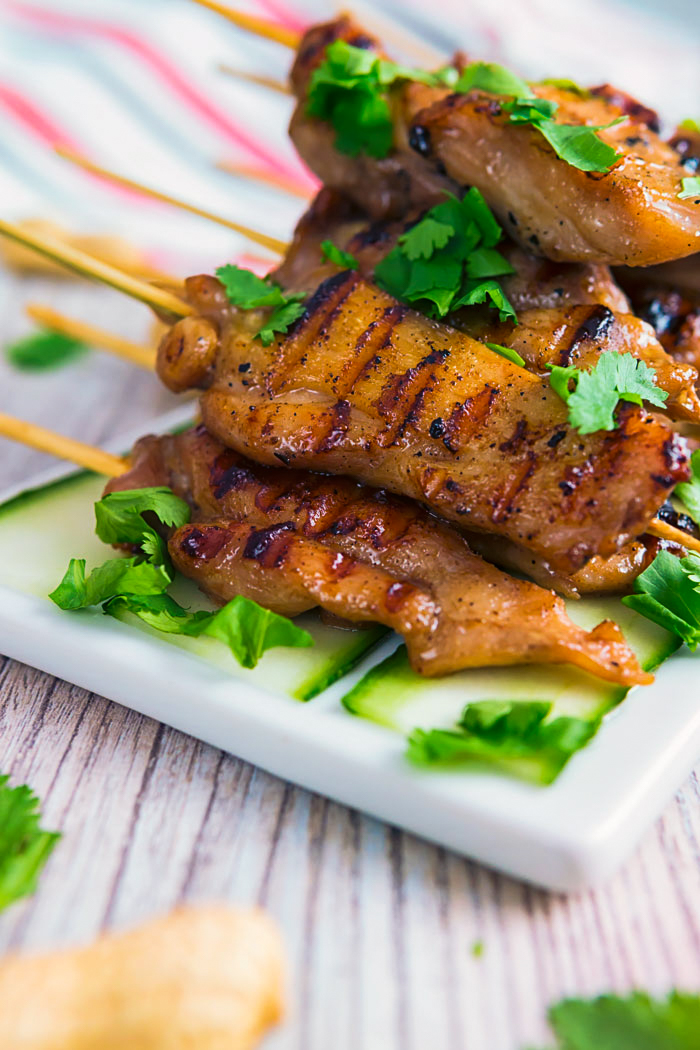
x,y
207,978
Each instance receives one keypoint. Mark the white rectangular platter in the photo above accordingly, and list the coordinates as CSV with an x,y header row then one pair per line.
x,y
563,836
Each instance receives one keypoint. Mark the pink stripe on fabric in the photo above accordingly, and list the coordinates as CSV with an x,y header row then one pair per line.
x,y
167,72
32,118
285,15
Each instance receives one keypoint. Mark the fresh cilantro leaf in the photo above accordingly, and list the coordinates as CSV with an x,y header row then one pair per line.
x,y
689,491
634,1022
489,76
244,626
114,577
477,949
690,125
44,350
447,259
690,187
530,110
281,319
567,85
615,377
506,351
668,593
24,846
119,518
245,289
349,90
335,255
579,145
504,731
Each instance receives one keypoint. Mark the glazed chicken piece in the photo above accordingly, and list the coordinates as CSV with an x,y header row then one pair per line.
x,y
366,387
568,314
294,541
630,216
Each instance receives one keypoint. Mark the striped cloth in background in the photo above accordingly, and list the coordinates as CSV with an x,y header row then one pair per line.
x,y
134,84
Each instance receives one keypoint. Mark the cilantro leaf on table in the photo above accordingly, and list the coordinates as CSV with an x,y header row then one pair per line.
x,y
690,187
615,377
668,593
250,292
44,350
504,731
350,90
634,1022
245,627
24,846
507,351
448,259
336,255
689,491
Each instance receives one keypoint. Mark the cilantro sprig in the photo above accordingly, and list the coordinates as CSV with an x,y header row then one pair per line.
x,y
250,292
577,144
690,187
689,491
448,260
350,89
332,253
633,1022
44,350
668,593
24,846
595,395
138,584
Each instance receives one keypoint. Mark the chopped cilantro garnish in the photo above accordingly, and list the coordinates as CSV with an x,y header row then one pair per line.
x,y
506,351
689,491
250,292
668,593
690,125
504,731
139,584
350,90
336,255
595,395
489,76
634,1022
690,187
44,350
24,846
448,259
567,85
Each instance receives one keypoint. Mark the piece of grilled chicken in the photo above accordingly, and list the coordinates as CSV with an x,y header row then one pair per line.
x,y
366,387
295,541
630,216
568,313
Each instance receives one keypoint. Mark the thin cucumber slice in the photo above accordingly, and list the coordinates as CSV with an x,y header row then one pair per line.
x,y
41,529
393,695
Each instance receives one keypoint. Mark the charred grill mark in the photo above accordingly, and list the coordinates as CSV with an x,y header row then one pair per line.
x,y
340,566
466,418
512,444
676,458
227,475
505,505
630,106
397,595
595,327
203,543
268,547
339,417
375,338
402,395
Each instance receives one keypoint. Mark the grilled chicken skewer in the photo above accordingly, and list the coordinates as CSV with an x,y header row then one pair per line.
x,y
293,541
630,216
366,387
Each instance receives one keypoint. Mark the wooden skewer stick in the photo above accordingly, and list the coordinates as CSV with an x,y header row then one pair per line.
x,y
279,182
271,243
86,266
136,353
87,456
663,531
259,26
255,78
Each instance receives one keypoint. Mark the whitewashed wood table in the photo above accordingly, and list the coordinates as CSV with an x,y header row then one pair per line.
x,y
380,927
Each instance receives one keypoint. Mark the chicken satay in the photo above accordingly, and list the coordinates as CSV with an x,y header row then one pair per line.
x,y
295,541
565,316
632,215
366,387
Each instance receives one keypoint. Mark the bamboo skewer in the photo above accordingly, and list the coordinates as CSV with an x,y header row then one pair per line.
x,y
87,456
265,241
278,182
663,531
87,266
259,26
272,83
136,353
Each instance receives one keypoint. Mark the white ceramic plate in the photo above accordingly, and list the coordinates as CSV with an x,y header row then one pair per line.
x,y
563,837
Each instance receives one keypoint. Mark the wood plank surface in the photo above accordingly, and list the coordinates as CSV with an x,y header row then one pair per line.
x,y
380,926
